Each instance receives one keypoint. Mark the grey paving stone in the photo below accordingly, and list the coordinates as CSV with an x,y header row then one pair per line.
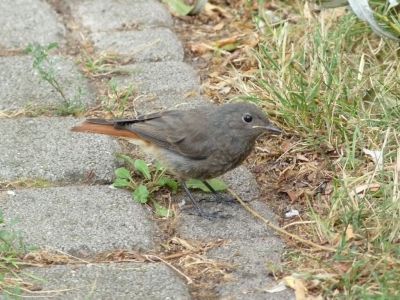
x,y
21,85
160,78
81,220
115,281
252,246
105,15
242,182
158,44
234,221
27,21
45,148
253,260
165,101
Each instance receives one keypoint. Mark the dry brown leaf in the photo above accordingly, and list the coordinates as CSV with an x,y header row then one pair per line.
x,y
183,242
293,196
362,189
301,157
328,189
219,26
211,9
199,48
227,42
297,285
350,233
342,267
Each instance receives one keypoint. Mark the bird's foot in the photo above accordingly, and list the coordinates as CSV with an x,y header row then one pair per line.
x,y
219,214
220,198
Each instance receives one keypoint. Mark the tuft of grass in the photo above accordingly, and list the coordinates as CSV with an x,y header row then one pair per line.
x,y
44,65
11,253
336,88
118,100
24,183
328,88
104,65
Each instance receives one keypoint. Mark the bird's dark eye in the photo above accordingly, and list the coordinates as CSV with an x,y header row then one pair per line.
x,y
247,118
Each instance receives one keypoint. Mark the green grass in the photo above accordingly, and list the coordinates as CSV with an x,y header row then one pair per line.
x,y
11,252
335,86
44,64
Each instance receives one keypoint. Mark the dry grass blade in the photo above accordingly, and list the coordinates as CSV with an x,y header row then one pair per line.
x,y
277,228
157,258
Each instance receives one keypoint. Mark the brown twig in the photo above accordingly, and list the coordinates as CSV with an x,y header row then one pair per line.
x,y
278,229
157,258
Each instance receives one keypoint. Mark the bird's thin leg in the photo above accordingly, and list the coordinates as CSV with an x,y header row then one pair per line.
x,y
217,195
201,212
209,187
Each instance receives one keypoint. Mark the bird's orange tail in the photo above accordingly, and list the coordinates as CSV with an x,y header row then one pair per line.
x,y
107,129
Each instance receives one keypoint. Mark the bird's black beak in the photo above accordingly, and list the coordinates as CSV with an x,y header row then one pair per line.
x,y
273,129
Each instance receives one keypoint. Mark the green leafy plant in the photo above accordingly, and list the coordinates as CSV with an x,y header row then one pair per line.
x,y
180,8
144,181
217,184
44,65
381,16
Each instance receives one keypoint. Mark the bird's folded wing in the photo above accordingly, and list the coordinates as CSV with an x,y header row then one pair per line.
x,y
185,133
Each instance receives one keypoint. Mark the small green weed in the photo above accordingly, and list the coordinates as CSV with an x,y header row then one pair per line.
x,y
144,181
104,65
118,100
217,184
47,72
11,252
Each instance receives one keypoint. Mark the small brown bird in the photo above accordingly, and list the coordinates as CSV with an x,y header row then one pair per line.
x,y
200,143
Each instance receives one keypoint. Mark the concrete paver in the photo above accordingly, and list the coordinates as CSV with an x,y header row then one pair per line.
x,y
165,101
80,220
158,44
251,247
21,85
105,15
27,21
253,261
45,148
160,78
116,281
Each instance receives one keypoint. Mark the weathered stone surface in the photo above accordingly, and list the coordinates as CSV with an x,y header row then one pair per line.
x,y
232,213
158,44
45,148
81,220
21,85
28,21
234,222
166,101
105,15
253,260
242,182
252,246
115,281
160,78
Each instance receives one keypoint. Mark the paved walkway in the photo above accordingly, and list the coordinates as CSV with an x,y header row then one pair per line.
x,y
78,213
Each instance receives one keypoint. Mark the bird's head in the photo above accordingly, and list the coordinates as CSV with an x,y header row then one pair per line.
x,y
246,119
